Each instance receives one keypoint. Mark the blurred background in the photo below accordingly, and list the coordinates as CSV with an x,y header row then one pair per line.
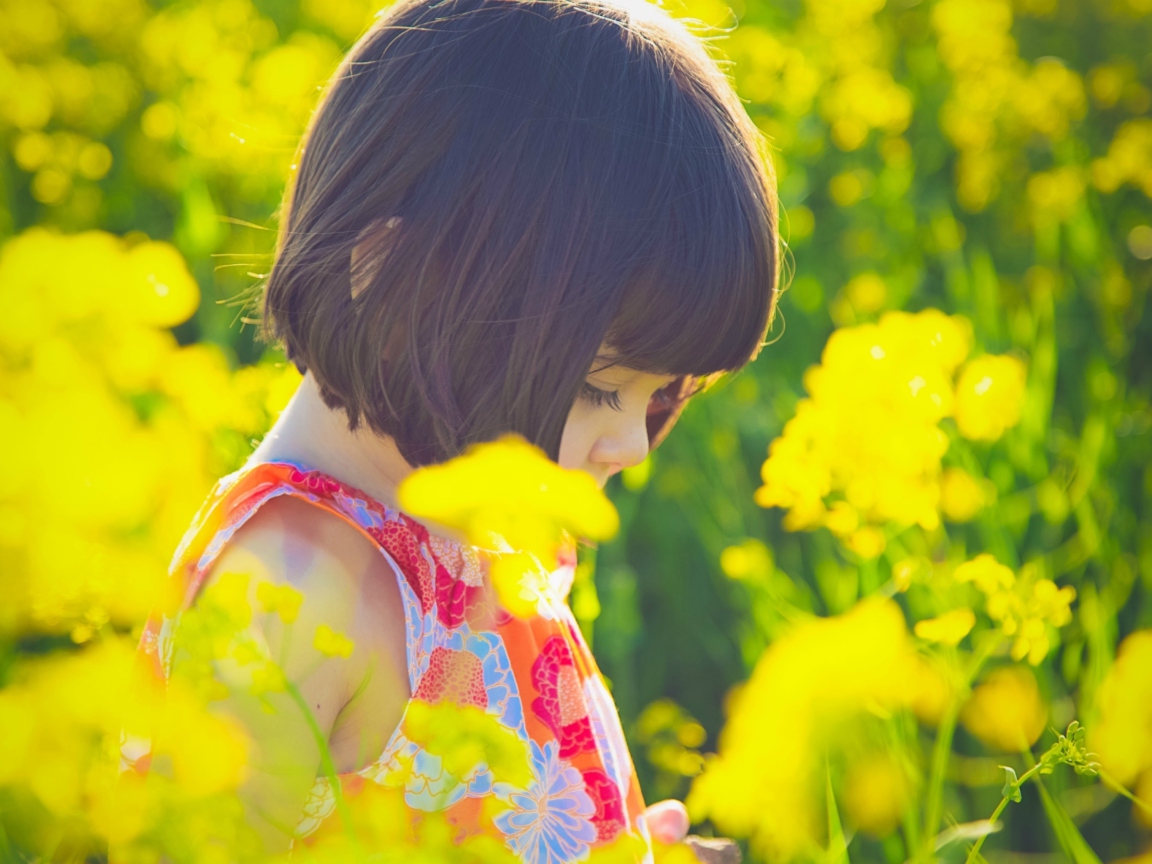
x,y
991,159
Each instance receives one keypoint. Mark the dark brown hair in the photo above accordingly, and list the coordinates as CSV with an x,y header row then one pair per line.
x,y
522,180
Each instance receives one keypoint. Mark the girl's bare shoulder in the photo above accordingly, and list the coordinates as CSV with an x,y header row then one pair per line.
x,y
347,585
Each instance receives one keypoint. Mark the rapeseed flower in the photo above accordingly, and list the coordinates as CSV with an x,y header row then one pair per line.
x,y
947,629
865,448
962,496
876,793
1006,711
1120,735
85,344
1023,609
511,500
808,688
989,397
332,643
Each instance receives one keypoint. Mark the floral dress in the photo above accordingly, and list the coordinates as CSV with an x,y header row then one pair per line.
x,y
535,675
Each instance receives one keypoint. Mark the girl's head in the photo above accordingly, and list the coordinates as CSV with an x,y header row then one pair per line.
x,y
493,194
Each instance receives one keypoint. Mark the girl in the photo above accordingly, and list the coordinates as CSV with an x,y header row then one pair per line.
x,y
546,217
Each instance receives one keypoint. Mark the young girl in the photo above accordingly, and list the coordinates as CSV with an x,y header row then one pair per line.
x,y
546,217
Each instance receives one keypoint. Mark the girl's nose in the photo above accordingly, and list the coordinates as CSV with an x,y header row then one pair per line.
x,y
626,448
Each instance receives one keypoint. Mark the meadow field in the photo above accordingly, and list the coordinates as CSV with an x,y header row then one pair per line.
x,y
883,596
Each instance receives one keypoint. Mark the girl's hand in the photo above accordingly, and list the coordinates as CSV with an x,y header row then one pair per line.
x,y
668,821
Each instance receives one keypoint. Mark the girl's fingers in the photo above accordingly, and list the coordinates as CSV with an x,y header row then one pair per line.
x,y
668,821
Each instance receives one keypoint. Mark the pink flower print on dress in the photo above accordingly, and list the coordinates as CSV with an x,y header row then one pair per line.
x,y
560,704
314,481
457,676
399,540
610,817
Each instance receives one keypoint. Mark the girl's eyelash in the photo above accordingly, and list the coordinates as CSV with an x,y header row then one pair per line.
x,y
599,397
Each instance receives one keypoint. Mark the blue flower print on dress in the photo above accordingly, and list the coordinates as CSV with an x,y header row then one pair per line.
x,y
549,823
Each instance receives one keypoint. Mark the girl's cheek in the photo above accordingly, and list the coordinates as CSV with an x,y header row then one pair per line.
x,y
575,442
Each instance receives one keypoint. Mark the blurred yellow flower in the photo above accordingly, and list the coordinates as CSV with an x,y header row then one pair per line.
x,y
947,629
466,738
806,690
1023,608
510,490
876,793
208,752
1121,735
512,501
1006,711
750,559
989,396
331,643
284,600
961,495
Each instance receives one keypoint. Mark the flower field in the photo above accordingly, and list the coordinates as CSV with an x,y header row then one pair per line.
x,y
884,596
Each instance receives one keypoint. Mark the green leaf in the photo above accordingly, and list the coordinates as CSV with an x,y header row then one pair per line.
x,y
1067,834
837,844
1011,789
966,831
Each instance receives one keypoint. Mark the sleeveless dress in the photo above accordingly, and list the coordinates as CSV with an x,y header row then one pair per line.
x,y
535,675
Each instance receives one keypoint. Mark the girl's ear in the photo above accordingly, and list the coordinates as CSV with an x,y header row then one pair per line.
x,y
372,246
665,406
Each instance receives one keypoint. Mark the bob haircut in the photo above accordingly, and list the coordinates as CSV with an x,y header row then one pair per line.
x,y
490,190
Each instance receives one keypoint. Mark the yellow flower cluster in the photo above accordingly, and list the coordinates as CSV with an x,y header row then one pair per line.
x,y
1006,711
865,447
808,690
997,98
836,56
508,498
671,739
215,81
63,717
110,432
1022,608
1128,160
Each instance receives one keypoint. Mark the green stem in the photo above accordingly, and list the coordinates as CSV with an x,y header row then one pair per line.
x,y
1119,788
325,759
942,749
975,850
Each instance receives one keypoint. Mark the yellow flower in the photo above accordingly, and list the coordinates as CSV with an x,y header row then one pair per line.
x,y
748,560
284,600
961,495
1023,608
931,690
989,574
330,643
867,542
807,689
947,629
208,752
464,737
868,434
1006,712
508,494
512,501
989,396
876,792
1121,736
